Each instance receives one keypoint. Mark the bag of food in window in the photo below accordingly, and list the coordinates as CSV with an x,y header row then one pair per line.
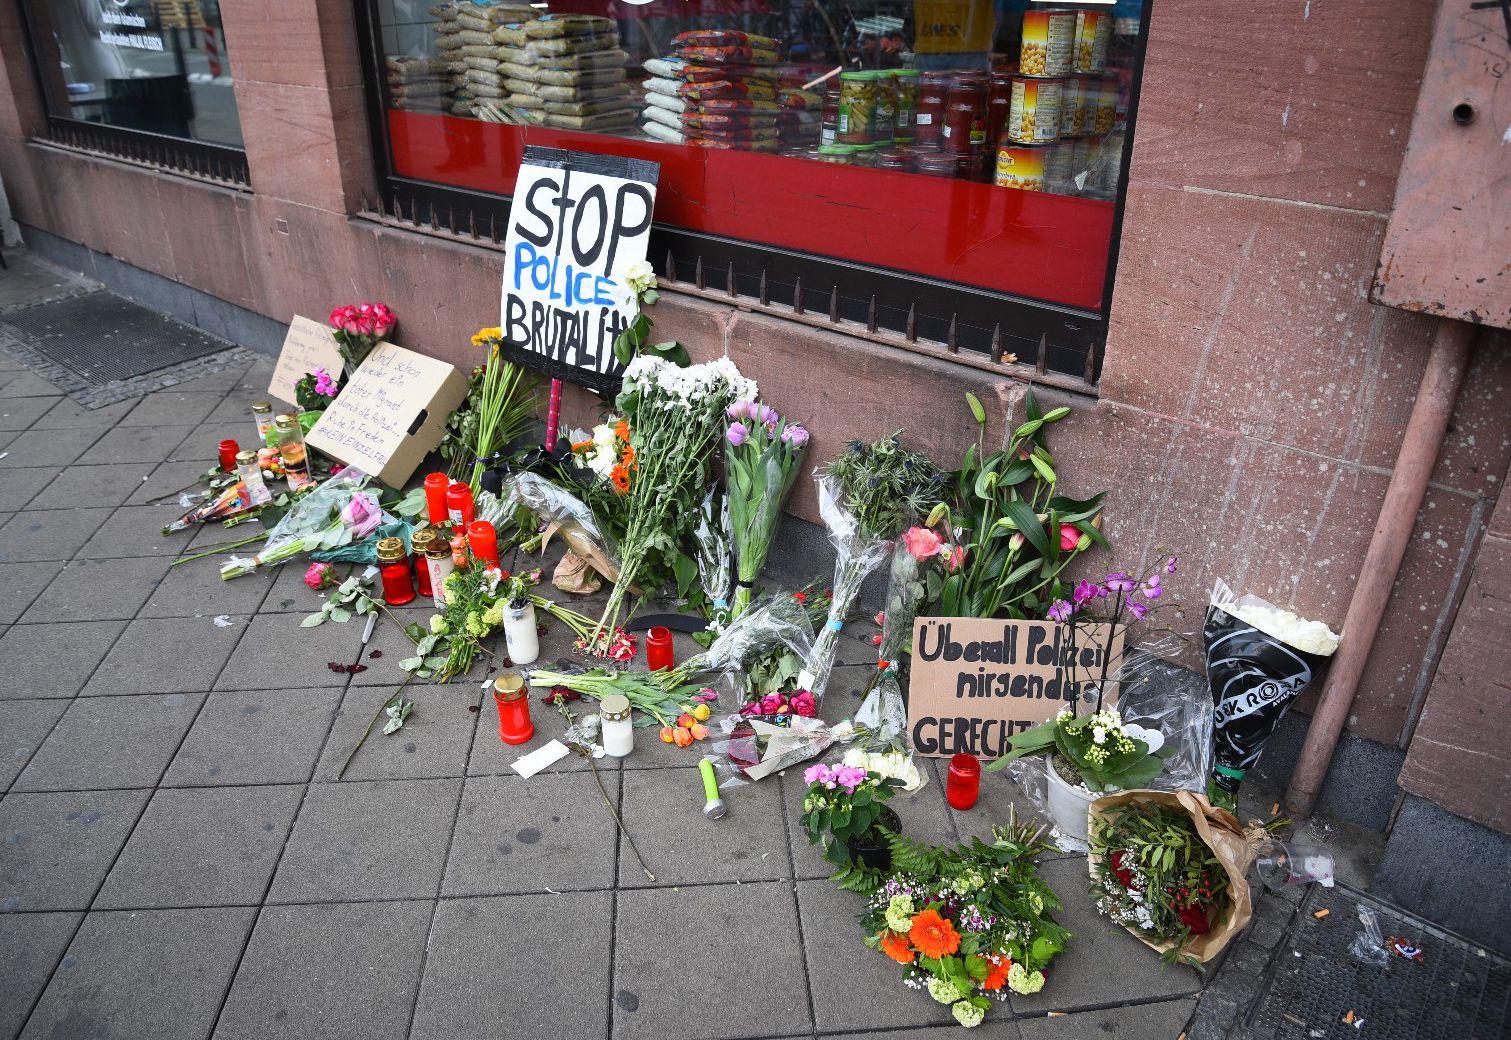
x,y
728,121
511,34
726,56
583,60
477,50
501,14
668,102
739,146
550,25
737,105
443,11
661,116
608,93
492,79
657,131
587,108
726,89
609,121
447,43
584,78
723,38
486,90
807,100
563,45
747,133
525,100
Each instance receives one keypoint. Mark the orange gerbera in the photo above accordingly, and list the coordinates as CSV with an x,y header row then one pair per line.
x,y
933,936
997,977
582,445
628,458
896,947
620,478
622,430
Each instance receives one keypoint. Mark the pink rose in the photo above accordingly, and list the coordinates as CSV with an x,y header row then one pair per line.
x,y
772,704
319,576
922,542
804,705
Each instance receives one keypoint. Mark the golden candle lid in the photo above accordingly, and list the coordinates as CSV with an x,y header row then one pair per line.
x,y
509,687
390,549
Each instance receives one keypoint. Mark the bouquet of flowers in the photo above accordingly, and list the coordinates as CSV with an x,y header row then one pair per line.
x,y
504,407
1259,660
763,455
846,809
866,495
606,451
905,589
359,328
1012,490
316,391
711,536
1170,868
338,512
1103,752
968,923
676,417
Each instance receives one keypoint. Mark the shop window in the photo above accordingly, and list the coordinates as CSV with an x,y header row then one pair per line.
x,y
148,78
951,168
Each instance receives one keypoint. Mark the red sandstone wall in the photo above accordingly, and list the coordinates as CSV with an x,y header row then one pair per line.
x,y
1252,398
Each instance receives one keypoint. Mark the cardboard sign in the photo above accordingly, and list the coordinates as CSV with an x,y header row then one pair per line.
x,y
308,346
575,223
391,414
978,681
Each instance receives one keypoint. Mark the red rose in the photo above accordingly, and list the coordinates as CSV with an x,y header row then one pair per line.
x,y
1194,918
1122,873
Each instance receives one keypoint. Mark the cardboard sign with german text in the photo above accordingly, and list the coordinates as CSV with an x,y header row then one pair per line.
x,y
308,346
978,681
390,414
576,222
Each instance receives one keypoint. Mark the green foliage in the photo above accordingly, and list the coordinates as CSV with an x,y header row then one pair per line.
x,y
839,818
885,486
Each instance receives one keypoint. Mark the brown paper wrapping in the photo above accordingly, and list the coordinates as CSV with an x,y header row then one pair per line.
x,y
1234,848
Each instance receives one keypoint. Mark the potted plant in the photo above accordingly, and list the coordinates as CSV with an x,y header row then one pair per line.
x,y
846,809
1097,752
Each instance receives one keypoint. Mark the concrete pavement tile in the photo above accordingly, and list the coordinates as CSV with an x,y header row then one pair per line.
x,y
516,835
236,406
21,486
30,947
385,839
215,382
18,413
202,442
868,993
137,531
32,670
276,652
49,534
173,408
27,384
159,655
663,810
492,757
98,590
925,817
1001,801
433,741
260,737
27,724
92,486
256,379
23,582
1162,1021
157,973
665,938
336,972
55,448
1079,977
196,589
996,1027
55,849
548,978
206,846
69,414
137,444
164,483
102,743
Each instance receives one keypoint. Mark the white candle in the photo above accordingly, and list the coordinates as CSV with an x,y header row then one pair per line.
x,y
520,636
438,560
618,730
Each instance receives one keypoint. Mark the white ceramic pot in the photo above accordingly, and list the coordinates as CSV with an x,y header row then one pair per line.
x,y
1067,805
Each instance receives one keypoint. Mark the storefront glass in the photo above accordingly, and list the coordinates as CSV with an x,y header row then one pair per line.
x,y
156,66
973,141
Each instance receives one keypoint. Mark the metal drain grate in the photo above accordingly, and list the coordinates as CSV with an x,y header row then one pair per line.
x,y
1458,992
102,338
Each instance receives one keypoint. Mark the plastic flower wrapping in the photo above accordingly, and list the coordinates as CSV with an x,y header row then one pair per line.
x,y
1259,660
762,455
338,512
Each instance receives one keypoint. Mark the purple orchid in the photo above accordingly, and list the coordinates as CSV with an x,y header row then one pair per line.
x,y
1152,588
1060,611
1120,581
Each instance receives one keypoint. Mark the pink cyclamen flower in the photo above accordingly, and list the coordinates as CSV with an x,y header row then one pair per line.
x,y
1119,581
816,774
362,515
956,559
796,436
1070,537
1060,610
922,542
319,576
737,433
325,386
850,777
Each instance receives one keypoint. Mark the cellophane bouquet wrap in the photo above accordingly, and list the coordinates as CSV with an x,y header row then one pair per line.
x,y
1259,660
1233,847
763,453
711,537
867,495
338,512
559,510
774,623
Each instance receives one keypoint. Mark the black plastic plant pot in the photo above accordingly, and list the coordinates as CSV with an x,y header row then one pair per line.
x,y
871,849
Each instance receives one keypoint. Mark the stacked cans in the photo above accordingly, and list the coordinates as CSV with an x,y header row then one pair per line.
x,y
719,89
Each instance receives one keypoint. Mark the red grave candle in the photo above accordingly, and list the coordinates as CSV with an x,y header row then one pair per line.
x,y
393,567
658,649
514,725
963,785
459,504
228,452
435,497
482,539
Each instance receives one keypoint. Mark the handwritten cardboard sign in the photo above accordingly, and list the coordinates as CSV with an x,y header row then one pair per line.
x,y
308,346
978,681
391,414
575,223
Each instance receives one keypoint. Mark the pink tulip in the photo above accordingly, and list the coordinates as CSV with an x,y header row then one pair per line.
x,y
362,515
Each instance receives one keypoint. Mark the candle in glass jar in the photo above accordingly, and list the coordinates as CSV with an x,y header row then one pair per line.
x,y
435,497
393,566
229,449
509,694
521,637
291,451
420,541
963,785
262,414
658,649
618,730
459,504
482,539
438,560
250,471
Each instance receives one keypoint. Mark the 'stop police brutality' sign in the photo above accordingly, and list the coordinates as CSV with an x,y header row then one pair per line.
x,y
575,223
